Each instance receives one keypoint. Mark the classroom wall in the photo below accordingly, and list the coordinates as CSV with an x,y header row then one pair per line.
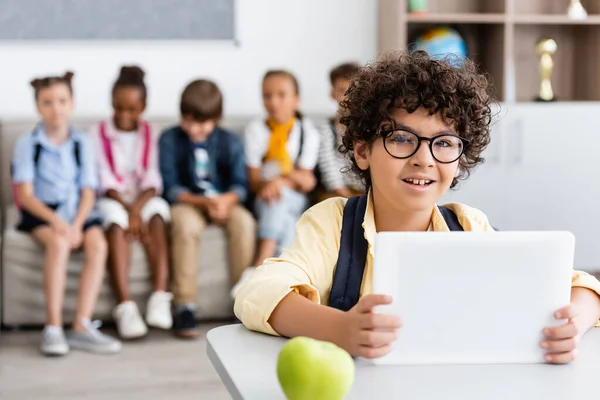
x,y
308,37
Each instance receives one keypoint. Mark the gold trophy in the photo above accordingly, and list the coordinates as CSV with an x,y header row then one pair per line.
x,y
545,48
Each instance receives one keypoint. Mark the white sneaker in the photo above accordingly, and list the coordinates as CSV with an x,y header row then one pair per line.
x,y
54,342
130,324
158,311
246,275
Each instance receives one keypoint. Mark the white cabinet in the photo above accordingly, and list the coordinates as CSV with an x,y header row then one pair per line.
x,y
542,173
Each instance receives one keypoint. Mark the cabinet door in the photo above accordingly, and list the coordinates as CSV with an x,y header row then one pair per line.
x,y
548,177
555,174
555,135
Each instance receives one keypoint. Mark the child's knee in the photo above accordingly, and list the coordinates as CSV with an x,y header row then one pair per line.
x,y
272,210
156,207
95,242
59,244
113,213
241,219
185,222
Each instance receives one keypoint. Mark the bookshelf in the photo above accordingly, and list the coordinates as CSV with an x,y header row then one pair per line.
x,y
501,37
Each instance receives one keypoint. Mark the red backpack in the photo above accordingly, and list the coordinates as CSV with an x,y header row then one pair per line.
x,y
145,127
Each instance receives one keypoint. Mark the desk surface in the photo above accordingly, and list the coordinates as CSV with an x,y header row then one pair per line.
x,y
246,362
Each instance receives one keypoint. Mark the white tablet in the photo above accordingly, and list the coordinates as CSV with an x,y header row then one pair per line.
x,y
467,297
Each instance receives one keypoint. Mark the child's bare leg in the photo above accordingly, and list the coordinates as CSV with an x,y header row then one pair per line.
x,y
57,251
158,311
157,251
119,259
95,249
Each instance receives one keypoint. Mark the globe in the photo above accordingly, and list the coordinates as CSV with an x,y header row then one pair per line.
x,y
440,43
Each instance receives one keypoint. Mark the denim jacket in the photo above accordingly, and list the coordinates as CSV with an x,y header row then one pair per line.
x,y
227,163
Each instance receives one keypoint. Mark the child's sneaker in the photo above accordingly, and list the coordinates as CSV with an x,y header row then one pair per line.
x,y
92,340
184,324
54,342
130,324
158,311
243,279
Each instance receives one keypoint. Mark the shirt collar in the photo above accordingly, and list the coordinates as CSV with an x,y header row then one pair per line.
x,y
41,137
437,222
112,130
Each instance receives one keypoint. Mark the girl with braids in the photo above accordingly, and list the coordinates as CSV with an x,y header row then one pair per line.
x,y
55,178
132,209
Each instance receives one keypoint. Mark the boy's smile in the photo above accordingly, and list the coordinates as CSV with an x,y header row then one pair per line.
x,y
419,181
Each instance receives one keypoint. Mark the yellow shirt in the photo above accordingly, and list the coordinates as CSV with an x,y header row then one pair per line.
x,y
308,265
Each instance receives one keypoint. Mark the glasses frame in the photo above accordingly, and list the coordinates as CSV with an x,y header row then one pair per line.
x,y
385,133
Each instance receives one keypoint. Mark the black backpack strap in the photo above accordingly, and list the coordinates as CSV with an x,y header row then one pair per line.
x,y
37,151
77,153
301,145
451,219
348,276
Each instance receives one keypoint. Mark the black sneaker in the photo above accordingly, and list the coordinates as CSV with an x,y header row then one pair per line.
x,y
184,323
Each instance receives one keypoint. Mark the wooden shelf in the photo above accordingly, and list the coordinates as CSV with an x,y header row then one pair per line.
x,y
553,20
467,18
501,36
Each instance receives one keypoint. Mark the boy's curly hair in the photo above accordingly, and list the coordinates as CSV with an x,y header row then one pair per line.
x,y
457,93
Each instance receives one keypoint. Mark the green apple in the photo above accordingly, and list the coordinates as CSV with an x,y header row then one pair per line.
x,y
310,369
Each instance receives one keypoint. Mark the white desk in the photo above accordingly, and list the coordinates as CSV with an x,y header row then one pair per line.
x,y
246,362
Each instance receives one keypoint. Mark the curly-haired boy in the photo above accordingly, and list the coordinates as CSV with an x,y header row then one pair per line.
x,y
414,127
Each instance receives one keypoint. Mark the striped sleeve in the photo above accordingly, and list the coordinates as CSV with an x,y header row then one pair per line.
x,y
329,161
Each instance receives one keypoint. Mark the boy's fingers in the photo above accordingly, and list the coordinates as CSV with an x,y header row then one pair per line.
x,y
567,312
379,321
559,346
366,303
373,352
566,331
376,339
561,358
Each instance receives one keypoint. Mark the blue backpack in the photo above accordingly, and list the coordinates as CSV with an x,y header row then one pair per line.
x,y
350,268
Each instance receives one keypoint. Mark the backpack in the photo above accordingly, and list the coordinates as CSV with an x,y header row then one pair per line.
x,y
108,148
350,268
37,151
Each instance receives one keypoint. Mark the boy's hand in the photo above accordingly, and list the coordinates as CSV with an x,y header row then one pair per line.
x,y
219,207
306,180
271,191
60,226
561,342
75,236
365,333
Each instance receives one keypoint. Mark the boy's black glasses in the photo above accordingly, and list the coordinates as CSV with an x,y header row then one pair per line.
x,y
445,148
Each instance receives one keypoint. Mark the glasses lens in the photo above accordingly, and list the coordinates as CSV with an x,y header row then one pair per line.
x,y
401,143
447,148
